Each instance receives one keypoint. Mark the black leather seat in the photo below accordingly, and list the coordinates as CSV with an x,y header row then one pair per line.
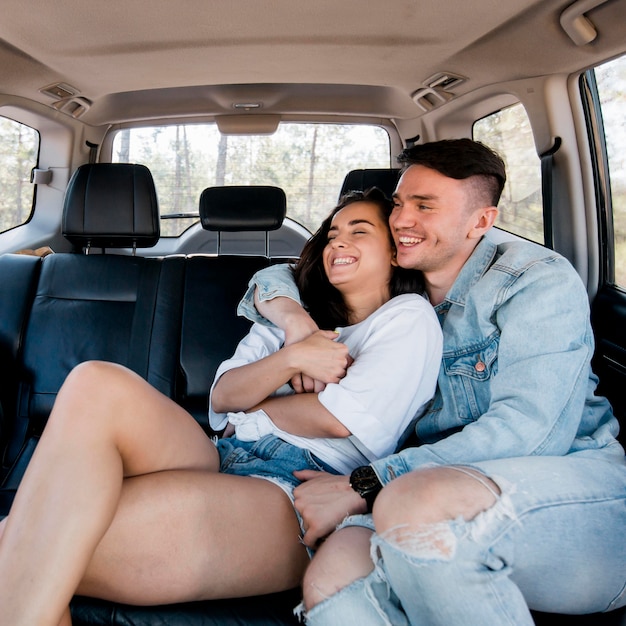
x,y
111,205
250,210
76,307
210,331
385,179
210,328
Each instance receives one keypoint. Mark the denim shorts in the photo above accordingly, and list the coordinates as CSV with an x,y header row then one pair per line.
x,y
270,458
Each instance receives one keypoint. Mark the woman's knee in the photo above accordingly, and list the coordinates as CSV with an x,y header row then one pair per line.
x,y
434,495
343,558
96,376
92,391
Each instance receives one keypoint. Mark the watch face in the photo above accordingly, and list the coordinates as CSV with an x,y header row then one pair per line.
x,y
364,479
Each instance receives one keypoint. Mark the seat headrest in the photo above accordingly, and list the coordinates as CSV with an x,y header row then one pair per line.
x,y
360,180
111,205
240,208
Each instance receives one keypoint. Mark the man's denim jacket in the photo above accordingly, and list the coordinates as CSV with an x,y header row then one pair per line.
x,y
515,376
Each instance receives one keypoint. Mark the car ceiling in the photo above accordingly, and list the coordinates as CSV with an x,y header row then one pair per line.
x,y
143,59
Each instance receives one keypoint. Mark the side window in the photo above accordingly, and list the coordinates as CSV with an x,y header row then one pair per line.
x,y
611,85
509,133
19,150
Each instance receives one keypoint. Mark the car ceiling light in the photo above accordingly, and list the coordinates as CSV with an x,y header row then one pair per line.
x,y
437,90
59,91
246,106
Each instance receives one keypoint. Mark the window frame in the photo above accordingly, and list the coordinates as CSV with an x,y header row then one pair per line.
x,y
33,203
594,123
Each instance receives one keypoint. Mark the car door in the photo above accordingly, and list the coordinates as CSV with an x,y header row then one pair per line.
x,y
604,91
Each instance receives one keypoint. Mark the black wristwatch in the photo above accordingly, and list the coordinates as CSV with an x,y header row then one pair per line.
x,y
365,482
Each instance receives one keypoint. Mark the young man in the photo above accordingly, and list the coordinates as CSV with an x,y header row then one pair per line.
x,y
515,497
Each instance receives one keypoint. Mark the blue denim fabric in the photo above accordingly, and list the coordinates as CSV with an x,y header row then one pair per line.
x,y
552,542
272,282
269,457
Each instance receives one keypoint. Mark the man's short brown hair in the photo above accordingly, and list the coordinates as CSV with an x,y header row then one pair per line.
x,y
460,159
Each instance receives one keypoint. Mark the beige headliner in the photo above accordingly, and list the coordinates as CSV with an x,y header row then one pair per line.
x,y
356,57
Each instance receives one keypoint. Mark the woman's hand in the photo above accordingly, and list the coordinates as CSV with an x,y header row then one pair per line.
x,y
297,325
297,328
320,357
324,500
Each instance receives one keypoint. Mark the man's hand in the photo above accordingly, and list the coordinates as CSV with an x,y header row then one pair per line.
x,y
324,500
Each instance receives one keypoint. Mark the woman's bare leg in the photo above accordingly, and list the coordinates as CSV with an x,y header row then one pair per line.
x,y
66,620
107,424
192,535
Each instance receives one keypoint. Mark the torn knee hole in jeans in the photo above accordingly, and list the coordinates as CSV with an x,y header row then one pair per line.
x,y
439,540
430,541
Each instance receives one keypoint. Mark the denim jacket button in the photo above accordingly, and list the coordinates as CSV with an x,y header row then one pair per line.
x,y
480,366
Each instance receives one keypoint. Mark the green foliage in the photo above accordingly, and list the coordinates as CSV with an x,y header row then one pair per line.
x,y
509,133
19,146
308,161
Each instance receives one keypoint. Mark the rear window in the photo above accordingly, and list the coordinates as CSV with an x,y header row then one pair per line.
x,y
308,161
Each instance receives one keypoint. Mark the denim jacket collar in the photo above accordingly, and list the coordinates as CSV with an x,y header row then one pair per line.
x,y
478,263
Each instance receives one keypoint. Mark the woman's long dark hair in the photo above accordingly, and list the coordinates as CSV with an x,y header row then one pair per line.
x,y
322,300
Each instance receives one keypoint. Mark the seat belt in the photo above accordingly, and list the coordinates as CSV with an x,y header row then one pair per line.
x,y
93,151
547,173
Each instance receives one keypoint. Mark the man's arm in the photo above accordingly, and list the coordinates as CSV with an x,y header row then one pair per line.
x,y
269,283
323,500
288,315
297,324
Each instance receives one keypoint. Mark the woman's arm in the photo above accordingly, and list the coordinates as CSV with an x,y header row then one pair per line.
x,y
272,297
303,415
394,374
244,387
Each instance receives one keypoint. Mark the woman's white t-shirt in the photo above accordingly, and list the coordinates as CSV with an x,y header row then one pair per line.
x,y
397,355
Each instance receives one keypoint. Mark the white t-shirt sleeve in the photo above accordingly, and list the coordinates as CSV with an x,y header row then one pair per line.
x,y
260,342
393,376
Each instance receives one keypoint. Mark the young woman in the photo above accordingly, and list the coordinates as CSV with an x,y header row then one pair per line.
x,y
126,499
347,272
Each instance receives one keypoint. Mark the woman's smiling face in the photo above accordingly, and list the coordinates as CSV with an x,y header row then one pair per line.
x,y
359,253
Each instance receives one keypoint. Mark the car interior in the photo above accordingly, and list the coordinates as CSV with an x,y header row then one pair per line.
x,y
154,155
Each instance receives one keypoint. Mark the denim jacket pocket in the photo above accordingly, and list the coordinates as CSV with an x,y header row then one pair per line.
x,y
468,373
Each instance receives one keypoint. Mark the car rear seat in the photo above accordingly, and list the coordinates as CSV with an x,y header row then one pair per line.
x,y
75,307
210,328
172,320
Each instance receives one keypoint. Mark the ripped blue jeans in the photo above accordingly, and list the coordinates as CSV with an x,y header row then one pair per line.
x,y
553,541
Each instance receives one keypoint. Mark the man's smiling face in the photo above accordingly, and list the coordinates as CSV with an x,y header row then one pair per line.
x,y
432,221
